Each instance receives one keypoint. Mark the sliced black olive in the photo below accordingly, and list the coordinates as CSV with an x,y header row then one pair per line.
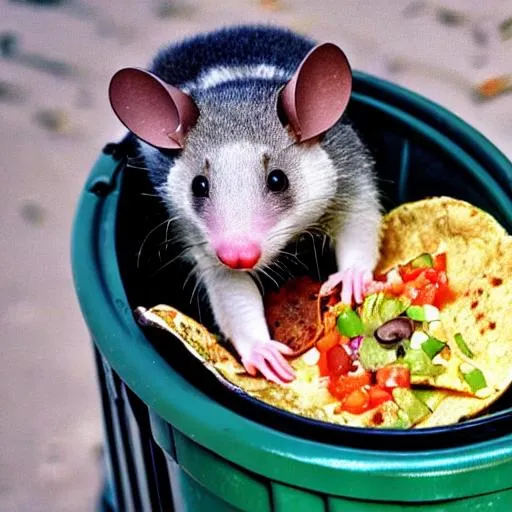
x,y
394,331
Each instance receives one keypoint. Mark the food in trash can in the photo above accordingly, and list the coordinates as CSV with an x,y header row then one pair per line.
x,y
293,314
430,343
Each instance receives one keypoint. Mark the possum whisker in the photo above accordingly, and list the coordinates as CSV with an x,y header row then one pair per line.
x,y
139,254
258,280
283,268
271,268
138,167
195,267
324,242
196,287
131,166
314,252
145,194
166,241
199,280
179,255
263,271
294,231
293,257
190,274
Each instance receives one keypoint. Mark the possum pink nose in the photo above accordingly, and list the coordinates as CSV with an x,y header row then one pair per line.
x,y
239,255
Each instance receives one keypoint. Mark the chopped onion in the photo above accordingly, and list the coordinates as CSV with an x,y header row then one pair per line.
x,y
355,343
417,339
323,382
431,313
311,357
358,369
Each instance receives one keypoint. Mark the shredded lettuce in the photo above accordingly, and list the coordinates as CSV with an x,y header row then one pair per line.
x,y
373,355
377,309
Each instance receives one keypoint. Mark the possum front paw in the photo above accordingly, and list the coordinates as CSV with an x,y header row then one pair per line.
x,y
267,358
353,280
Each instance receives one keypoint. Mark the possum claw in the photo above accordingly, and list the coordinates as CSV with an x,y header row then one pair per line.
x,y
267,358
354,281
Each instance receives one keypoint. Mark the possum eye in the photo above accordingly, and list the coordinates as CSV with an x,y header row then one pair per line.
x,y
200,186
277,181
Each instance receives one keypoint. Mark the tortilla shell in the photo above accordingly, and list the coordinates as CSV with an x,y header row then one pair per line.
x,y
479,269
306,396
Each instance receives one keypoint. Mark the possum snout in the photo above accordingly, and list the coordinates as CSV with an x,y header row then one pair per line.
x,y
239,254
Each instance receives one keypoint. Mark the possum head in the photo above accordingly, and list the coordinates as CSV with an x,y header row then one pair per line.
x,y
250,174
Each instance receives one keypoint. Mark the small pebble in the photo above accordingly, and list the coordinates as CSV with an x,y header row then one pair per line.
x,y
271,5
32,213
8,44
11,93
174,9
55,120
165,10
98,451
450,17
505,29
84,98
414,9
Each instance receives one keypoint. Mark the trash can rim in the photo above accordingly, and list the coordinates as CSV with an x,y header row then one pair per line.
x,y
104,305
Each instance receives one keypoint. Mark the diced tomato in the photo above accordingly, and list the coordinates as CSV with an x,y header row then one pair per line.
x,y
426,285
408,273
378,396
357,402
444,295
395,289
442,278
410,291
431,275
426,295
421,280
440,262
343,385
322,364
338,361
394,376
328,341
381,278
332,300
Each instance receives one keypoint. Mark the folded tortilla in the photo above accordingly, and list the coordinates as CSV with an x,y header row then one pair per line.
x,y
479,269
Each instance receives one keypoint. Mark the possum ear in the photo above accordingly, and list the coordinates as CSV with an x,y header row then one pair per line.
x,y
158,113
316,96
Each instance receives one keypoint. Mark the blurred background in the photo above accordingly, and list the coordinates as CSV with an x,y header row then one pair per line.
x,y
56,59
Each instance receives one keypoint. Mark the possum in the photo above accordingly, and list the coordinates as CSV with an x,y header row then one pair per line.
x,y
243,134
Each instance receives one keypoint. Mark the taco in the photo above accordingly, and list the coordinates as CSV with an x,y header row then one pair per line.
x,y
429,345
475,321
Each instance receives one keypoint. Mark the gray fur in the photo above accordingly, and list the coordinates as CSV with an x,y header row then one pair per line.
x,y
237,140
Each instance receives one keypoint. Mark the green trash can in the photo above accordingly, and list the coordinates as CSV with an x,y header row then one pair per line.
x,y
175,441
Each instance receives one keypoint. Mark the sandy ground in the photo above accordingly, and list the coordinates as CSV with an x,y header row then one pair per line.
x,y
51,130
